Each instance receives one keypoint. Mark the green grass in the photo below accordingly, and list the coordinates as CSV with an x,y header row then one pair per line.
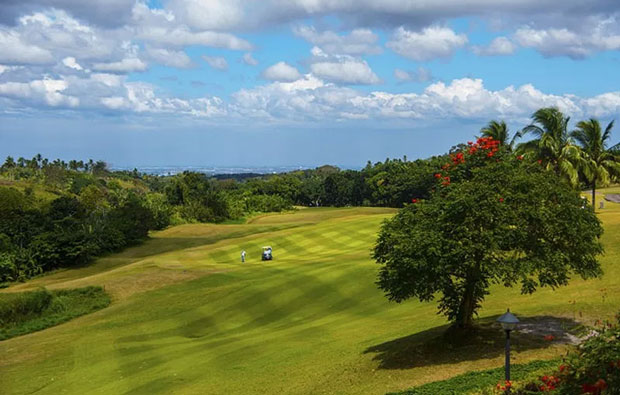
x,y
26,312
187,317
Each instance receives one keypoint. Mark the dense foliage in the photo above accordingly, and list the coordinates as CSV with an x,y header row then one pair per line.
x,y
492,219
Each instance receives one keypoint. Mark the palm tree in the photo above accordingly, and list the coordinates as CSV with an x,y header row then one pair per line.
x,y
498,131
599,163
553,146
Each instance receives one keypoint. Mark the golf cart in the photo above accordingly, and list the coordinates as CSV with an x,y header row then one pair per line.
x,y
266,254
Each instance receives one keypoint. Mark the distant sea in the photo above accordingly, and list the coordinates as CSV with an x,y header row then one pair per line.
x,y
212,170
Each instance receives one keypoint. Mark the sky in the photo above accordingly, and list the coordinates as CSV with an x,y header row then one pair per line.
x,y
293,82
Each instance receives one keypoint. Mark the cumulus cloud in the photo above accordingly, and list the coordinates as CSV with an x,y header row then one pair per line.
x,y
71,63
431,43
420,75
249,59
308,98
217,62
344,69
281,71
167,57
209,15
126,65
47,91
357,42
499,46
574,44
16,51
462,98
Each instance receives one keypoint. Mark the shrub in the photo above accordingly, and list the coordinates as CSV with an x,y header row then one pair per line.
x,y
593,367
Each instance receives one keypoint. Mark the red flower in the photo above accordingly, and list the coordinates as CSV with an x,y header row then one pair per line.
x,y
414,200
549,338
588,389
520,157
437,175
490,154
600,384
501,200
539,161
563,368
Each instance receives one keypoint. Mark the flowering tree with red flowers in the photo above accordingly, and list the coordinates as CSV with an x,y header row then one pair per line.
x,y
493,218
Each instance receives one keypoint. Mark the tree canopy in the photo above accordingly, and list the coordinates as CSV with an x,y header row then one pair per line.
x,y
493,218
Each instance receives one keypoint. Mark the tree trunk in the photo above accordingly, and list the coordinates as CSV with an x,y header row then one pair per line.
x,y
465,317
593,195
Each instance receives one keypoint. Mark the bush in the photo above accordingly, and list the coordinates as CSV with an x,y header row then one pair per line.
x,y
26,312
593,367
18,307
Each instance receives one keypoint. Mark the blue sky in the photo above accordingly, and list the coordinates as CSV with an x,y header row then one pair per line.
x,y
296,82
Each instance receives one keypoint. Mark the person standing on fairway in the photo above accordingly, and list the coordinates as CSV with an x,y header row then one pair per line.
x,y
242,256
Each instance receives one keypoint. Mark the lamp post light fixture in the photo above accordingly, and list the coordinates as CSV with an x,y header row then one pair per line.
x,y
508,322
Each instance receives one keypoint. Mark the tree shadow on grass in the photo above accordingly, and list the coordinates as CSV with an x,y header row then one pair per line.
x,y
446,344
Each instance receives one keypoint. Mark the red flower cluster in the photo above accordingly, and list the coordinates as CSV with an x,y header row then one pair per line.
x,y
484,143
549,383
549,338
458,158
507,385
595,388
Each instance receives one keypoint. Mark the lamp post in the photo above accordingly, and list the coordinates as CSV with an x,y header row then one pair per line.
x,y
508,321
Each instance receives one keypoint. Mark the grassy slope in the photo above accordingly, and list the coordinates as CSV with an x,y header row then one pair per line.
x,y
188,317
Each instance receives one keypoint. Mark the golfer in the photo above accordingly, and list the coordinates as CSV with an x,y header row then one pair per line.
x,y
242,256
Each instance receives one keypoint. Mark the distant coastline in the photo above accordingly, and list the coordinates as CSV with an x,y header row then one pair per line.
x,y
217,170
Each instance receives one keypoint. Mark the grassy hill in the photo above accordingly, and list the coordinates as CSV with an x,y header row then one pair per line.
x,y
188,317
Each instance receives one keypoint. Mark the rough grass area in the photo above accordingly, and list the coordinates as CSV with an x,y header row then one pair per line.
x,y
476,382
27,312
187,317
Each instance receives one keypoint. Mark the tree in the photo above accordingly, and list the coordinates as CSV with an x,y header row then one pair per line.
x,y
492,219
552,146
598,163
497,131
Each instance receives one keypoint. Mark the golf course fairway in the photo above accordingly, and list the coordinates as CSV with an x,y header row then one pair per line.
x,y
187,317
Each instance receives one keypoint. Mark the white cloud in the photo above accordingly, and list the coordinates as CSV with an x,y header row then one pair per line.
x,y
349,71
499,46
126,65
431,43
574,44
281,71
16,51
47,91
216,62
249,59
462,98
344,69
180,36
71,63
209,15
358,42
420,75
167,57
